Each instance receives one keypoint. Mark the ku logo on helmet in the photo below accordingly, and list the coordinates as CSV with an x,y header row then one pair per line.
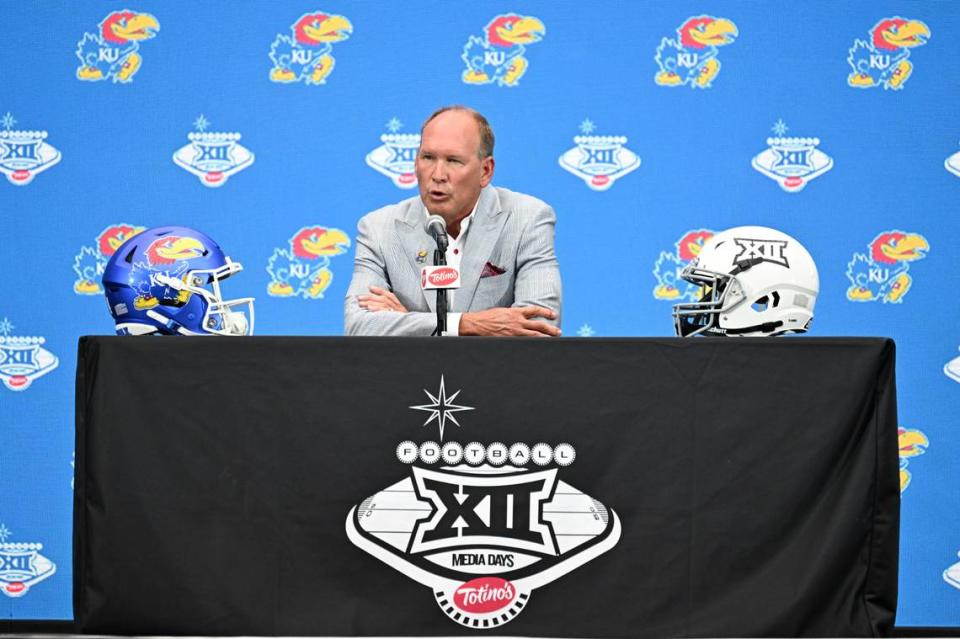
x,y
883,59
113,52
752,280
498,56
167,280
882,274
691,59
305,56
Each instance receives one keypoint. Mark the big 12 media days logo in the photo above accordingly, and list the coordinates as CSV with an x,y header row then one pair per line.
x,y
481,525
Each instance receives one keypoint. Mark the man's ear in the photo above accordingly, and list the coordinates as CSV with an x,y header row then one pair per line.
x,y
486,166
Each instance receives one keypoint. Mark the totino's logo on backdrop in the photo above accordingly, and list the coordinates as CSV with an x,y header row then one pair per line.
x,y
497,56
212,157
882,60
113,51
792,162
670,286
305,56
21,565
691,59
91,261
912,443
481,526
881,273
396,156
599,160
24,154
303,269
22,359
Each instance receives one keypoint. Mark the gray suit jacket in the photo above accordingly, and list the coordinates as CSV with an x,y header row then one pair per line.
x,y
511,231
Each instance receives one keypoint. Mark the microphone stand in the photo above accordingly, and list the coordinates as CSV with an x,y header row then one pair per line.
x,y
440,259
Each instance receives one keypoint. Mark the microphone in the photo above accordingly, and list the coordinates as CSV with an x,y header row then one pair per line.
x,y
436,226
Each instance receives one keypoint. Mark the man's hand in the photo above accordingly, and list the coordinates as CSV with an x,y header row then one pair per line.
x,y
380,300
509,321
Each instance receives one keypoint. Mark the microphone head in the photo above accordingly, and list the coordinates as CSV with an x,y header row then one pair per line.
x,y
435,225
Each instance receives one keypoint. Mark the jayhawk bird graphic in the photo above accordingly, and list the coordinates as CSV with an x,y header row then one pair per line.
x,y
883,59
883,274
498,56
303,270
112,53
691,59
306,55
667,269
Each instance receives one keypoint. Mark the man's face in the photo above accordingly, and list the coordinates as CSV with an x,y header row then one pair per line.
x,y
450,172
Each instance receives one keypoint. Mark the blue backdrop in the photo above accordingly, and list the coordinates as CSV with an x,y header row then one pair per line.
x,y
647,126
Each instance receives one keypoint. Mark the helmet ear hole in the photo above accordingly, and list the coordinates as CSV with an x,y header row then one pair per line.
x,y
760,304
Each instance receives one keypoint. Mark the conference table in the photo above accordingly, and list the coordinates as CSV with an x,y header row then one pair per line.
x,y
530,487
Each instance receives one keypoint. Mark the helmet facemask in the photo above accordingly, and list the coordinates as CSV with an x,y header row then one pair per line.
x,y
220,316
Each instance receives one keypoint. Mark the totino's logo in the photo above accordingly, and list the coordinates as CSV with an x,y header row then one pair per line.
x,y
305,54
303,269
882,273
883,59
498,55
113,51
481,525
691,59
484,594
443,277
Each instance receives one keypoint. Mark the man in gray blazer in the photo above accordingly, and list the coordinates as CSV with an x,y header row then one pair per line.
x,y
501,240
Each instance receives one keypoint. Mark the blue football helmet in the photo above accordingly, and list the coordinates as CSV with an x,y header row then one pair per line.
x,y
166,281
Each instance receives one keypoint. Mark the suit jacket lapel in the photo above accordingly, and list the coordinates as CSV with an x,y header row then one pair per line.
x,y
482,237
413,239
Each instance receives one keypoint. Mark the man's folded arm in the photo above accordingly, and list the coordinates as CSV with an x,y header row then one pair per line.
x,y
369,270
538,272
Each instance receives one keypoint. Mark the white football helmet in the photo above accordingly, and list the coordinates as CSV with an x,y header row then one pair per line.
x,y
753,281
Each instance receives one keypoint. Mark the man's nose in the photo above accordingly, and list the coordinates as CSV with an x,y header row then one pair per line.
x,y
439,173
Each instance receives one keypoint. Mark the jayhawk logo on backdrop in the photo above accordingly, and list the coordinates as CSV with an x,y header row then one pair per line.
x,y
304,269
113,51
498,55
882,60
912,443
881,274
670,286
90,262
691,59
305,56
